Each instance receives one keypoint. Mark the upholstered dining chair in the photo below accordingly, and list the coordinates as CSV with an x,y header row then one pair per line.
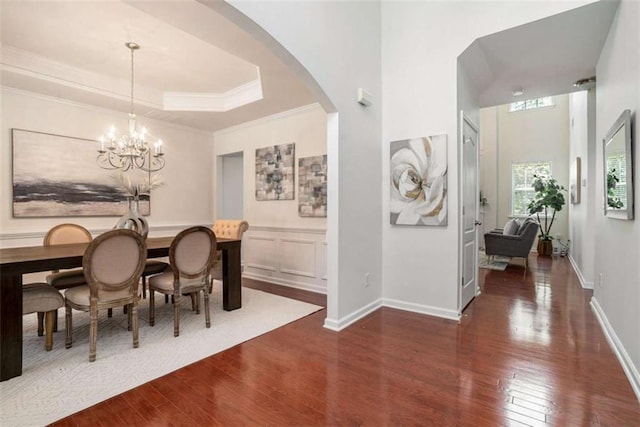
x,y
226,229
113,264
190,258
44,299
152,267
64,234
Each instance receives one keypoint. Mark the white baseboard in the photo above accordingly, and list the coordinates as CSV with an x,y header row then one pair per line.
x,y
340,324
421,308
630,370
583,282
285,282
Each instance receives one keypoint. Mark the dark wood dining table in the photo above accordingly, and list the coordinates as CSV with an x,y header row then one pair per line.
x,y
14,262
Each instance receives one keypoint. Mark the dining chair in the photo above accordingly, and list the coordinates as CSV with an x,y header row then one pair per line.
x,y
64,234
190,259
226,229
151,268
44,299
113,264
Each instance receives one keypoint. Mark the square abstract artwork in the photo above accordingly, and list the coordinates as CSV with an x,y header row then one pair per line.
x,y
274,172
312,186
418,178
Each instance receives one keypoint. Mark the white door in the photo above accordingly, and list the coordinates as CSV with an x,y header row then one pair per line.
x,y
469,252
231,187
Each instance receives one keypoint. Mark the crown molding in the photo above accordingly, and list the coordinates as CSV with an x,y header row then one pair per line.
x,y
215,102
27,64
277,116
96,109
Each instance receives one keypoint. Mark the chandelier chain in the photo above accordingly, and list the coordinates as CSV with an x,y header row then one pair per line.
x,y
130,151
132,49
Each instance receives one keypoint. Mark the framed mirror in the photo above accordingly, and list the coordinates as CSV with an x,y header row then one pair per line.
x,y
618,169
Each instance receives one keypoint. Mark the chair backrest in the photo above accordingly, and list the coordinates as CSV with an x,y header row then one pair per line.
x,y
64,234
530,232
230,228
192,252
113,263
526,227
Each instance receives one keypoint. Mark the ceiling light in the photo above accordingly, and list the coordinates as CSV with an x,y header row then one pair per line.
x,y
587,83
518,92
129,151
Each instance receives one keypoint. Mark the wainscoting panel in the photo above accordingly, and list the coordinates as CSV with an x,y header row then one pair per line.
x,y
322,260
259,252
286,256
298,257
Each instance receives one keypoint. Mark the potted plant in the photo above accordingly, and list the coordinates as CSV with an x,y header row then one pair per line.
x,y
548,197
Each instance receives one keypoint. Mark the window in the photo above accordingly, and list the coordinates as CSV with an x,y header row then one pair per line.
x,y
618,167
521,184
530,104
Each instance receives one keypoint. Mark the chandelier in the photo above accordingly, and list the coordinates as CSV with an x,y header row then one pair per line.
x,y
129,151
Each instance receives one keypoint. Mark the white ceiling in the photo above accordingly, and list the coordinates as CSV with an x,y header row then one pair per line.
x,y
75,50
193,68
544,57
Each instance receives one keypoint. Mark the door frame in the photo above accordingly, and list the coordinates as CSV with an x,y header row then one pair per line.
x,y
462,119
220,182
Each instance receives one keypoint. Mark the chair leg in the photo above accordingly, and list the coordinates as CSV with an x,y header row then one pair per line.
x,y
207,315
40,323
69,327
109,312
93,334
176,314
195,302
134,324
166,298
129,316
48,324
55,322
144,286
152,307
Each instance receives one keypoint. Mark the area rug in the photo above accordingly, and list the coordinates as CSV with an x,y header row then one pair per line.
x,y
495,263
61,382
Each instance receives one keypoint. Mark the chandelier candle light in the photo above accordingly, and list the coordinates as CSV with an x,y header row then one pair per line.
x,y
130,151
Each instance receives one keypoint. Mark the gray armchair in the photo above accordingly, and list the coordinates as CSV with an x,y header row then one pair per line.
x,y
512,245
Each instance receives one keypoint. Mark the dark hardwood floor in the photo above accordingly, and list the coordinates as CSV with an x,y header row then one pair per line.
x,y
528,351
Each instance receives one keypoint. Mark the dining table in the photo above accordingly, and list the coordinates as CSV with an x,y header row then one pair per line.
x,y
14,262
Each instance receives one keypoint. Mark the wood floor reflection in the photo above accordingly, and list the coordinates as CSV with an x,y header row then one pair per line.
x,y
528,351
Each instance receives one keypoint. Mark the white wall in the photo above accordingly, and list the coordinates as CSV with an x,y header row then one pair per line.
x,y
280,246
488,161
421,42
582,215
617,252
532,135
307,128
173,205
232,192
337,44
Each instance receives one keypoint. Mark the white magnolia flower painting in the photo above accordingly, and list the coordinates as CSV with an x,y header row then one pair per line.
x,y
419,181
